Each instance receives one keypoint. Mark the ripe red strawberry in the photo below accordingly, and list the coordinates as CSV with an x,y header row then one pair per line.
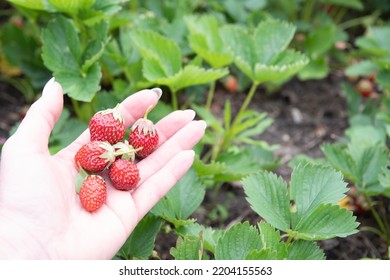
x,y
95,156
124,174
93,192
107,126
144,136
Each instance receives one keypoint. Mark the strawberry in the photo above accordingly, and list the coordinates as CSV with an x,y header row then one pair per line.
x,y
107,126
365,87
231,84
124,174
95,156
93,192
144,136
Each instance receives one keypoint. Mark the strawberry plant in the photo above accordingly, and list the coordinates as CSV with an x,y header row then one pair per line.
x,y
363,160
305,211
162,64
263,56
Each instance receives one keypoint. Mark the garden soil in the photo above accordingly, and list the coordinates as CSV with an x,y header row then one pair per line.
x,y
306,115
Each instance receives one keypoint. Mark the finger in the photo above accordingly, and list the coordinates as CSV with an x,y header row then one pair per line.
x,y
155,187
135,106
40,119
132,108
185,139
172,123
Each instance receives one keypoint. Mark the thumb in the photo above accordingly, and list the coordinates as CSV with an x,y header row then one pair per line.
x,y
40,119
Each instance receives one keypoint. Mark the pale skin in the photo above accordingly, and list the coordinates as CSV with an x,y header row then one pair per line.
x,y
41,216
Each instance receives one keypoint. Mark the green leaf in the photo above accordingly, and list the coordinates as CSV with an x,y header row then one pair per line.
x,y
42,5
362,68
242,47
283,66
305,250
190,75
324,222
354,4
61,46
71,7
19,47
271,239
188,248
204,38
314,212
95,48
313,185
384,180
354,99
271,37
238,165
320,41
62,54
210,118
208,169
66,130
140,243
262,56
317,68
182,200
162,52
383,78
162,63
80,87
227,114
268,197
237,242
251,124
210,235
370,167
263,254
340,159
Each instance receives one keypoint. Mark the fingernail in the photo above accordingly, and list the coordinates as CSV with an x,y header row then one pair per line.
x,y
191,113
158,91
204,124
48,86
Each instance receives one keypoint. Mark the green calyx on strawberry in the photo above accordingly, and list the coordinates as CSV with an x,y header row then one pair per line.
x,y
107,125
95,156
124,174
144,136
125,151
93,193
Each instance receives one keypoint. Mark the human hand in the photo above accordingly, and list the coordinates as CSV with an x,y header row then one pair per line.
x,y
41,216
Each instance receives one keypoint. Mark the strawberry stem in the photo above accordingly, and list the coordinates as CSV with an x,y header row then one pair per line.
x,y
148,111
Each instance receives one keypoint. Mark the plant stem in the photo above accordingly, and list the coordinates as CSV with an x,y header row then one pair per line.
x,y
76,108
339,14
230,132
377,219
247,101
289,239
210,95
358,21
175,104
373,230
308,10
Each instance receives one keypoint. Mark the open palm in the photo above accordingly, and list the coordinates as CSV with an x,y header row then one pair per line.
x,y
40,213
